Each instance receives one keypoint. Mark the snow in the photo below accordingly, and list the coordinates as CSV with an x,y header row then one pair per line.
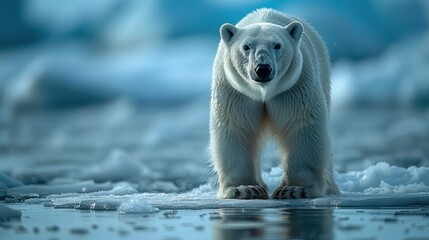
x,y
381,185
385,179
136,205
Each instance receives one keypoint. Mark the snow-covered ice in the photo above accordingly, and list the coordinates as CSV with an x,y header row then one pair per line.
x,y
380,185
136,205
385,179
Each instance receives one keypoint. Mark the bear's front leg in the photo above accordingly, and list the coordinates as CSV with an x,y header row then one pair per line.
x,y
306,150
234,153
234,136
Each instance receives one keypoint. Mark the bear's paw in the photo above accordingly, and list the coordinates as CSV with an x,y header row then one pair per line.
x,y
294,192
246,192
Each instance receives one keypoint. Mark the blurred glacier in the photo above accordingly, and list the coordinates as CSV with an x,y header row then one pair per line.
x,y
351,28
161,52
397,78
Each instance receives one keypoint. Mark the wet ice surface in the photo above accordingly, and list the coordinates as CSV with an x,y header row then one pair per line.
x,y
298,223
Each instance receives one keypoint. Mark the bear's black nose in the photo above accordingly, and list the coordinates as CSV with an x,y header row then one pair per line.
x,y
263,71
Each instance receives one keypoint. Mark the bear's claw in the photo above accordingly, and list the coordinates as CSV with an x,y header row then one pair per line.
x,y
246,192
293,192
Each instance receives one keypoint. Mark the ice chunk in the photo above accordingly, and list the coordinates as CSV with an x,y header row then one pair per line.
x,y
45,190
117,166
380,179
136,204
123,189
144,202
7,213
383,178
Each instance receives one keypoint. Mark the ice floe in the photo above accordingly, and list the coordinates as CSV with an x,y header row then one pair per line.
x,y
380,185
136,205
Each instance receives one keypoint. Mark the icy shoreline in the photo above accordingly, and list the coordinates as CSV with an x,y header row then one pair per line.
x,y
380,185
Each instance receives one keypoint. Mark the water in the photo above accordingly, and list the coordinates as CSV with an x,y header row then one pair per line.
x,y
38,222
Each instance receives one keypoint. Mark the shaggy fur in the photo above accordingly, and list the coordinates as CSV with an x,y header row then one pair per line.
x,y
293,107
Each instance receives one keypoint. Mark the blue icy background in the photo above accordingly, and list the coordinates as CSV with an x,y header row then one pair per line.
x,y
107,102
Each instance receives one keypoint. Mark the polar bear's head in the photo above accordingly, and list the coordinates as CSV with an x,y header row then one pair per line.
x,y
262,60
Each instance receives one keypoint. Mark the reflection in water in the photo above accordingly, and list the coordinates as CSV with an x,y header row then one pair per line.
x,y
241,224
275,224
308,223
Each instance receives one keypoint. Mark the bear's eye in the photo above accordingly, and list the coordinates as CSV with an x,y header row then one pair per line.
x,y
246,47
277,46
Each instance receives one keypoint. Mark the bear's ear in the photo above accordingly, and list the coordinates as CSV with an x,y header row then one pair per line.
x,y
227,31
295,30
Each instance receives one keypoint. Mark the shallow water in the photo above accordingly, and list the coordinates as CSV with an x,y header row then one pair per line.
x,y
38,222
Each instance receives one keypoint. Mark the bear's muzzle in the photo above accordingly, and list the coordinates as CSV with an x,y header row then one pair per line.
x,y
263,72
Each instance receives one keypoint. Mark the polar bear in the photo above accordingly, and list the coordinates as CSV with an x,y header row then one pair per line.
x,y
271,75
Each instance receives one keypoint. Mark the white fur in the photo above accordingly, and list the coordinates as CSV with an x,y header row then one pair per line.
x,y
261,92
293,106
